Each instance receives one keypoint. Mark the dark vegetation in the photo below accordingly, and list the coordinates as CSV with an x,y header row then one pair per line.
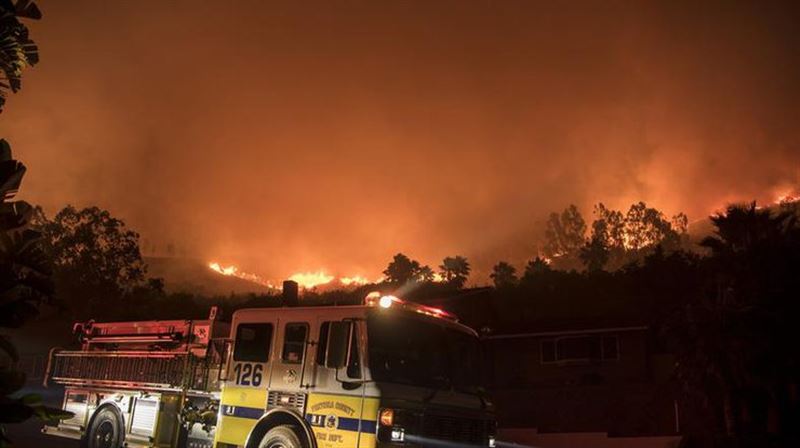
x,y
25,281
17,50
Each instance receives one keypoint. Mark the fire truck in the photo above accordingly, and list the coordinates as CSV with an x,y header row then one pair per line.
x,y
384,373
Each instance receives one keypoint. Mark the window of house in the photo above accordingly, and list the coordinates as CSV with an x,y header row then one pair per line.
x,y
549,350
610,347
294,343
580,348
252,342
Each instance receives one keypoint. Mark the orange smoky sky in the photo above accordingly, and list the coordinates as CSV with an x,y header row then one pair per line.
x,y
298,136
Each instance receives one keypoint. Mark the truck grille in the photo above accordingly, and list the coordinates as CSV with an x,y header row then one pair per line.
x,y
294,400
455,429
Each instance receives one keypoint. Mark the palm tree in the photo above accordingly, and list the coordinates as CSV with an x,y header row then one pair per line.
x,y
402,270
742,228
17,50
426,274
24,275
25,282
455,270
736,338
535,267
504,275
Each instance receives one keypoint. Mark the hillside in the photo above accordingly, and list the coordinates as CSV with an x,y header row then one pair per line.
x,y
193,276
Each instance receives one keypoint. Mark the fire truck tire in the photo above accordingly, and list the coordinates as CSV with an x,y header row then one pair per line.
x,y
283,436
105,431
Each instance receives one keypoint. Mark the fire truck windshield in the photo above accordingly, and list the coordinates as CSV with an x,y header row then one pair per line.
x,y
415,351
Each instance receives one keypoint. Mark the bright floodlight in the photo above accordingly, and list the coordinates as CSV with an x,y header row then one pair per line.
x,y
386,301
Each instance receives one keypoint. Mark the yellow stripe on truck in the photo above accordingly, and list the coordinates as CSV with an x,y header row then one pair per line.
x,y
240,409
369,412
248,397
234,430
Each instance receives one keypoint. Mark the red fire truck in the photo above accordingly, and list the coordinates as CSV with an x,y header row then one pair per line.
x,y
384,373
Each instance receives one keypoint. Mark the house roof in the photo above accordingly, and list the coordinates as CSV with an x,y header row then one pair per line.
x,y
557,327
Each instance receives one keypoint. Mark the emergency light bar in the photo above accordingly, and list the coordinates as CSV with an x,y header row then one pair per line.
x,y
375,298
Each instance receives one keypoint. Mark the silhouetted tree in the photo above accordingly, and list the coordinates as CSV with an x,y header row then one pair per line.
x,y
504,275
425,274
17,50
647,227
733,342
608,227
742,229
96,260
594,255
402,270
680,225
632,236
455,270
565,233
24,273
25,283
536,266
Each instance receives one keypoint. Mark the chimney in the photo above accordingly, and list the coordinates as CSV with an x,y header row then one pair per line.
x,y
290,293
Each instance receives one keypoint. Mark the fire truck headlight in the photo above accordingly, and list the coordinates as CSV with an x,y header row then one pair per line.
x,y
398,435
386,301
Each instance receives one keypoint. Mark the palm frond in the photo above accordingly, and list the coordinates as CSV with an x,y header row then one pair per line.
x,y
17,50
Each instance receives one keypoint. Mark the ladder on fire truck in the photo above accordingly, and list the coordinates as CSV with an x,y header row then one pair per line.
x,y
149,383
165,356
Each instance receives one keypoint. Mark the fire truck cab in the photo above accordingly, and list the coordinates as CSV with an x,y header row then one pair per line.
x,y
385,373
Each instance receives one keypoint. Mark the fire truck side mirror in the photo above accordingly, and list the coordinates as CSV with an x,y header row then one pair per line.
x,y
338,344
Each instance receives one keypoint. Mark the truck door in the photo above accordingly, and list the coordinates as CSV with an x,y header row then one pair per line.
x,y
288,385
244,396
337,396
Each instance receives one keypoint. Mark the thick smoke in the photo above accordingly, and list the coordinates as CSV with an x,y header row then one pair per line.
x,y
288,138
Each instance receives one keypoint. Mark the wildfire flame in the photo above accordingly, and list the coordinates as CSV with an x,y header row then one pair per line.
x,y
787,197
233,271
311,279
306,280
355,281
784,196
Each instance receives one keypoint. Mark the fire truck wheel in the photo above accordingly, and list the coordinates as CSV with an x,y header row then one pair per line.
x,y
284,436
105,430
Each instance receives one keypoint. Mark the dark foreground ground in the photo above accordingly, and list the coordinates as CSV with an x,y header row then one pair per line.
x,y
28,434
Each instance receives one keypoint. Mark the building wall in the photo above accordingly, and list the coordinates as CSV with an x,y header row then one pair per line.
x,y
518,362
617,396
